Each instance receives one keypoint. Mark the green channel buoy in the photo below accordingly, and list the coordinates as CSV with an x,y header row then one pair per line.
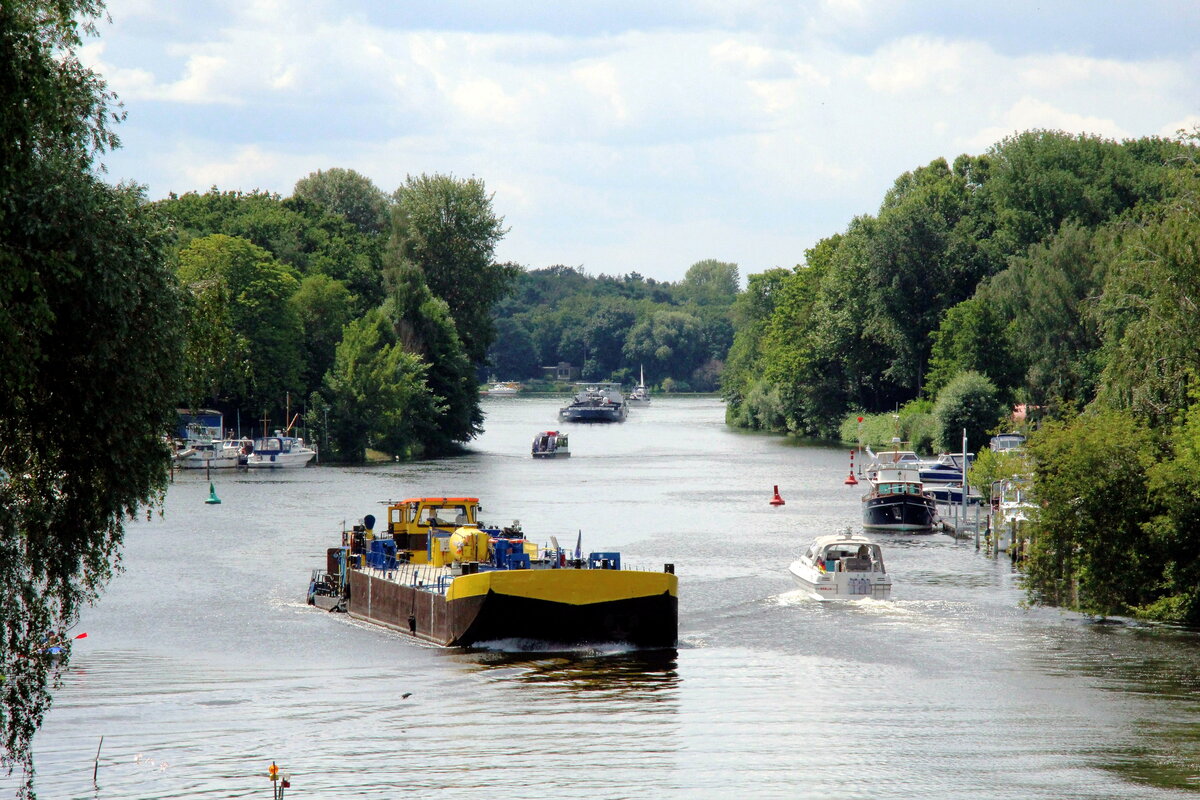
x,y
212,495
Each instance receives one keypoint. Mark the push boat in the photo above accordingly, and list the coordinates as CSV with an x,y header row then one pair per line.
x,y
436,573
842,567
596,402
551,444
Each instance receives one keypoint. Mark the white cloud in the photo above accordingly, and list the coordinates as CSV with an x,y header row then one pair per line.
x,y
1189,124
753,115
1028,113
920,64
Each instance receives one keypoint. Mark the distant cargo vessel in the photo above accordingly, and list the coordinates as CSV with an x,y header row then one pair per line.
x,y
436,573
596,402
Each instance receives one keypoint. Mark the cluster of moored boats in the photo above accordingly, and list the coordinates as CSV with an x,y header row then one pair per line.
x,y
903,496
203,444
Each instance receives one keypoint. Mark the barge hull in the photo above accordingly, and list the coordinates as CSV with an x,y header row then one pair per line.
x,y
649,620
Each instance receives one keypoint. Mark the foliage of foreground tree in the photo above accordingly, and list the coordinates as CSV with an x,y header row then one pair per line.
x,y
1095,549
89,349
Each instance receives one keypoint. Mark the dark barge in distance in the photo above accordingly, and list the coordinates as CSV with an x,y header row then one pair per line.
x,y
436,573
596,402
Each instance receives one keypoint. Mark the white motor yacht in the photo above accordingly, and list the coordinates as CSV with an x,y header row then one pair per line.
x,y
848,566
279,452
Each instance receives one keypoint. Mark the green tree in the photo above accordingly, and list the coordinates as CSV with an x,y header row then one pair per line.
x,y
513,355
346,192
297,231
1172,533
260,314
973,336
448,229
324,306
970,402
378,396
89,342
1091,551
1048,296
1148,314
424,327
667,342
710,283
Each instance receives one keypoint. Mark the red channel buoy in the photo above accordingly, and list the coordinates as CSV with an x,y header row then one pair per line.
x,y
776,500
851,480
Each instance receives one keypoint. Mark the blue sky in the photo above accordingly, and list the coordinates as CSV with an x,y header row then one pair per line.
x,y
631,136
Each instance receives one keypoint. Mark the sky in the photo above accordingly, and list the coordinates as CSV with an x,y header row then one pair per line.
x,y
631,136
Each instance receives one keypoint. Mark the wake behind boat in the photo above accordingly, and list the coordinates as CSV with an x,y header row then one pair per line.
x,y
842,567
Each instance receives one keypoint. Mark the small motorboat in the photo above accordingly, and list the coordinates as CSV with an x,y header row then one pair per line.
x,y
279,451
848,566
551,444
504,389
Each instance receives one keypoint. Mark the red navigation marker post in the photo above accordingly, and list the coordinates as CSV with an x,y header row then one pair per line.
x,y
776,500
851,480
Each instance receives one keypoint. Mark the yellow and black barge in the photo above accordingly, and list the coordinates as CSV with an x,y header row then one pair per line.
x,y
435,572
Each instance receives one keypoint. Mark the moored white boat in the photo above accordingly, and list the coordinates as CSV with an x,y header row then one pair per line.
x,y
280,452
211,454
504,389
846,566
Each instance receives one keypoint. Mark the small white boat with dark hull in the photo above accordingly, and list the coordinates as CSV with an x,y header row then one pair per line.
x,y
946,468
842,567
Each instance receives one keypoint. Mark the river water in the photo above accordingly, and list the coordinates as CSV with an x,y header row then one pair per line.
x,y
203,664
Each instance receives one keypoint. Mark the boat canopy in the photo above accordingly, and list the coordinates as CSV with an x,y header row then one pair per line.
x,y
829,550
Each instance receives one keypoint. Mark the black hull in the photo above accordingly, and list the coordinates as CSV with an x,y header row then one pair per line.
x,y
569,414
908,512
647,621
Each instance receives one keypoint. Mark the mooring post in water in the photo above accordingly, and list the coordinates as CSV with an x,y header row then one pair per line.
x,y
279,781
96,763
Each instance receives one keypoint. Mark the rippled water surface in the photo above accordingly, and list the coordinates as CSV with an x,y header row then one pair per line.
x,y
203,664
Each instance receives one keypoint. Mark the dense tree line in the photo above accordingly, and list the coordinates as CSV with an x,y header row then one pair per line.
x,y
611,327
368,312
1060,271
